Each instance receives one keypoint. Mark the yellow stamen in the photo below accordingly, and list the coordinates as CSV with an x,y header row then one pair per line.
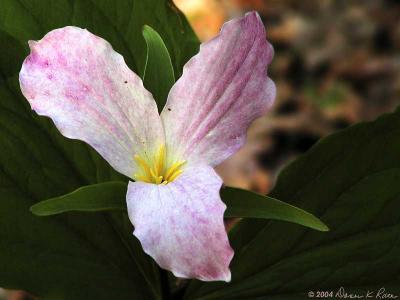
x,y
141,178
175,174
173,168
161,158
155,177
156,169
143,164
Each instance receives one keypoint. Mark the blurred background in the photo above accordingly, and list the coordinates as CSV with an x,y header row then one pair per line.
x,y
336,63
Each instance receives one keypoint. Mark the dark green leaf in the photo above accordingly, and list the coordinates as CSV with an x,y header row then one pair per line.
x,y
246,204
351,179
97,197
240,203
71,256
158,74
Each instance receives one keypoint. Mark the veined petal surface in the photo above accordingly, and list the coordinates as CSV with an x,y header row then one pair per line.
x,y
181,226
85,87
222,90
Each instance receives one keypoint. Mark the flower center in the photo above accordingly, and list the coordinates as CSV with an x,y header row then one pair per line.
x,y
157,170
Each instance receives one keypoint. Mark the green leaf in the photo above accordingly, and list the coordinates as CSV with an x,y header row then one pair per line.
x,y
240,203
92,198
246,204
351,179
158,73
75,255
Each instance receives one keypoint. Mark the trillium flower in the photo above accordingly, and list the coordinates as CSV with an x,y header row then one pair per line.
x,y
85,87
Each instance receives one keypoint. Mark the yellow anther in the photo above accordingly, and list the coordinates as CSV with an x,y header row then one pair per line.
x,y
175,174
143,164
141,178
160,160
172,169
155,177
156,170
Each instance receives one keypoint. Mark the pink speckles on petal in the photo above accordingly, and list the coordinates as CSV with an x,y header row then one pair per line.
x,y
181,224
222,90
85,87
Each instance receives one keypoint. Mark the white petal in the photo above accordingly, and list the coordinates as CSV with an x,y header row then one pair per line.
x,y
222,90
85,87
181,224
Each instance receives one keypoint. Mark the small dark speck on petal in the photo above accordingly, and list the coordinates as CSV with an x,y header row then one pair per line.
x,y
126,81
169,109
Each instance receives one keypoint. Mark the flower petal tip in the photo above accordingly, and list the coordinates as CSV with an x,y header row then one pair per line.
x,y
79,81
206,272
253,15
223,89
32,44
181,224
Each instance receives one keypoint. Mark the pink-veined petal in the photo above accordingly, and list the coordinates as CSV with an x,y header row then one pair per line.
x,y
85,87
222,90
181,224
